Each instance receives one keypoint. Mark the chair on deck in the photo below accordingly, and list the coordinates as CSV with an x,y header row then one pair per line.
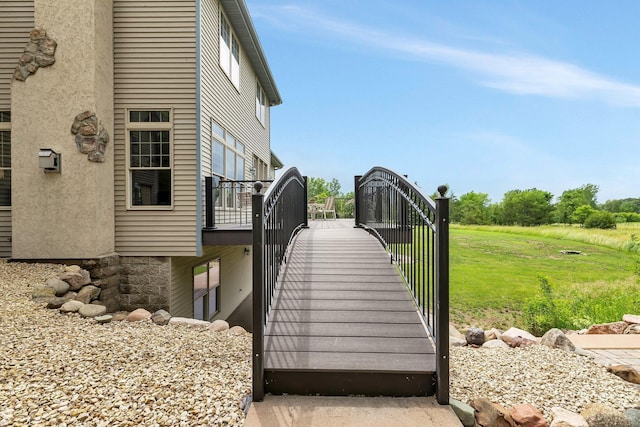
x,y
329,206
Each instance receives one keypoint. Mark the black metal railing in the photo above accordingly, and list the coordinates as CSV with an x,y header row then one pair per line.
x,y
415,231
277,216
228,202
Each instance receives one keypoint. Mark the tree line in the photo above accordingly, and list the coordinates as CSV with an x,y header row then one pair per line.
x,y
536,207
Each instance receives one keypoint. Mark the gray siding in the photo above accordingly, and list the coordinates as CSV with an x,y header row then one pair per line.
x,y
220,99
155,67
16,20
235,280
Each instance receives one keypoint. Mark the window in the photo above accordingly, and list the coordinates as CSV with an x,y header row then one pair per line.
x,y
149,134
228,154
261,104
5,158
260,169
229,52
206,290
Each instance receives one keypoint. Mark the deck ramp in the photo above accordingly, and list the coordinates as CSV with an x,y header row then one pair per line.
x,y
342,321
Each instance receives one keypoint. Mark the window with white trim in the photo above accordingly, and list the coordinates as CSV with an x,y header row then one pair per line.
x,y
229,52
149,145
227,154
261,104
206,290
5,158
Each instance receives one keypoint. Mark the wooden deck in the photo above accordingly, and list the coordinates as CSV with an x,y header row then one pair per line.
x,y
342,321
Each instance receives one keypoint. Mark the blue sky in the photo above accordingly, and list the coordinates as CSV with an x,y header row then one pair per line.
x,y
487,96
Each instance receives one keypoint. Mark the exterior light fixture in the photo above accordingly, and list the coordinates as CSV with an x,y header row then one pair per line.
x,y
49,160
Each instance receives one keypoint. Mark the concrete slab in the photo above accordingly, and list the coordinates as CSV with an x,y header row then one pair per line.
x,y
606,341
322,411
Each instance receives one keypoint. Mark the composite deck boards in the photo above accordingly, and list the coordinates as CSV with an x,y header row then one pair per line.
x,y
341,306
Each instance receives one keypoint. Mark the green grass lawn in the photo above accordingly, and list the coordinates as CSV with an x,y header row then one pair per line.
x,y
494,271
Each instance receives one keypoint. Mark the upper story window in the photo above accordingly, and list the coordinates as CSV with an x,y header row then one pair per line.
x,y
261,104
229,52
227,154
5,158
149,135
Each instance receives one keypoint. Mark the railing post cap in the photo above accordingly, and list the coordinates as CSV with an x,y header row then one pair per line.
x,y
258,186
442,190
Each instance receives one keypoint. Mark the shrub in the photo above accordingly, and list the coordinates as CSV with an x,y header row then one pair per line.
x,y
600,219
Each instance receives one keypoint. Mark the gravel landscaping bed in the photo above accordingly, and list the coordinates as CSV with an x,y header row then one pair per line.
x,y
58,369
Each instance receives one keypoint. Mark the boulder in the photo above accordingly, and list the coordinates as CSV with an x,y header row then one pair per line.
x,y
219,326
527,415
565,418
599,415
633,328
457,342
56,302
633,415
607,328
555,338
59,286
475,336
76,280
464,412
521,342
92,310
626,372
119,316
72,268
453,332
138,315
105,318
161,317
492,334
511,333
490,414
71,306
237,330
631,318
191,323
495,344
87,294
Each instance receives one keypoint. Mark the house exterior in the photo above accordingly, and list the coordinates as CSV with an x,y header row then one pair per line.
x,y
135,102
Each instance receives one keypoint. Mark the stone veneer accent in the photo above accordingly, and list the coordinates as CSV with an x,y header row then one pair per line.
x,y
40,52
145,282
91,137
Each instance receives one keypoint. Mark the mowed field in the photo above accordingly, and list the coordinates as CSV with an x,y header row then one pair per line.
x,y
495,271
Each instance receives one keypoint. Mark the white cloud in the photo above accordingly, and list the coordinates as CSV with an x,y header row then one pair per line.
x,y
513,72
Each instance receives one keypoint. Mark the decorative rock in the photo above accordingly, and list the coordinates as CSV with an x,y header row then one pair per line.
x,y
90,136
634,328
631,318
237,330
457,342
528,416
92,310
492,334
521,342
512,333
39,52
608,328
87,294
490,414
453,332
72,268
219,326
626,372
464,412
555,338
56,302
119,316
565,418
495,344
138,315
599,415
71,306
75,280
105,318
161,317
192,323
475,336
59,286
633,415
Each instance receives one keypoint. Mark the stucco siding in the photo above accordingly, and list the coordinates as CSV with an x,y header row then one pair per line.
x,y
232,109
235,280
155,68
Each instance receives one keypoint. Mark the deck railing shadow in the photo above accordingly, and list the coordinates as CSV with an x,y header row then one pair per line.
x,y
415,231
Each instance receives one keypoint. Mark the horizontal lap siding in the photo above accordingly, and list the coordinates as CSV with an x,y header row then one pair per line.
x,y
16,20
155,67
220,99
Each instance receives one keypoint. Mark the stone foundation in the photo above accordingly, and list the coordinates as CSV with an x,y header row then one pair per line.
x,y
145,282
